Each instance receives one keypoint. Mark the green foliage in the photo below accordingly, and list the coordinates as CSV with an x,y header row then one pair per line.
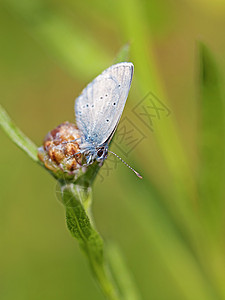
x,y
170,225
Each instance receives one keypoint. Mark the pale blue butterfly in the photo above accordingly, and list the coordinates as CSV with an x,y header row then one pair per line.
x,y
98,110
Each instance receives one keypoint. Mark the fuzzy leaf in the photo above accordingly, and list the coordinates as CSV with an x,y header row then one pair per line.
x,y
90,241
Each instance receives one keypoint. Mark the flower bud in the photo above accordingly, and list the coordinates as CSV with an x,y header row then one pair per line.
x,y
59,148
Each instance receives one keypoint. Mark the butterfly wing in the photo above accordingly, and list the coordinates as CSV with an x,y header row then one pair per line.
x,y
100,105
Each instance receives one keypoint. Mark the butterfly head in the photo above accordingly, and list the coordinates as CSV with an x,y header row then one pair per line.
x,y
98,154
101,153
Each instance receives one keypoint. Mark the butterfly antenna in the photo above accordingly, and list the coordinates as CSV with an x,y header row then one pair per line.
x,y
138,175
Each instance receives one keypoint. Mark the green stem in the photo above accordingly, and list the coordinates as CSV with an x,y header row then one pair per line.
x,y
79,224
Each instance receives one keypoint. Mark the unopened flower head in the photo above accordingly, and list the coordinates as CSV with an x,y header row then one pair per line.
x,y
59,148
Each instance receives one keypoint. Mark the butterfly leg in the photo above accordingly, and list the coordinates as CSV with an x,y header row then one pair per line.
x,y
72,141
72,156
89,160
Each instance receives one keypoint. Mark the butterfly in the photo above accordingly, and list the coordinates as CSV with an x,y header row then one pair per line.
x,y
98,110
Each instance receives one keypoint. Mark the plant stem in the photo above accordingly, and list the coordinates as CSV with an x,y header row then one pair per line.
x,y
80,226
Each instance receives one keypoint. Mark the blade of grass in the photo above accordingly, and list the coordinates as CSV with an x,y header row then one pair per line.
x,y
211,177
182,193
211,143
132,19
17,136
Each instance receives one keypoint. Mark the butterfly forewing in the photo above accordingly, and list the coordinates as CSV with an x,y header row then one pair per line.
x,y
100,105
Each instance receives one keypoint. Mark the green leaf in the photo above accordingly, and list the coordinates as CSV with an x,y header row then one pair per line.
x,y
211,142
17,136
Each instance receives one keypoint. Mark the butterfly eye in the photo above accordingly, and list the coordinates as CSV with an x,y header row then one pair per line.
x,y
100,152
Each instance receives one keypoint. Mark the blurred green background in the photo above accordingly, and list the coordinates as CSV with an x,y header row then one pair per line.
x,y
170,226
